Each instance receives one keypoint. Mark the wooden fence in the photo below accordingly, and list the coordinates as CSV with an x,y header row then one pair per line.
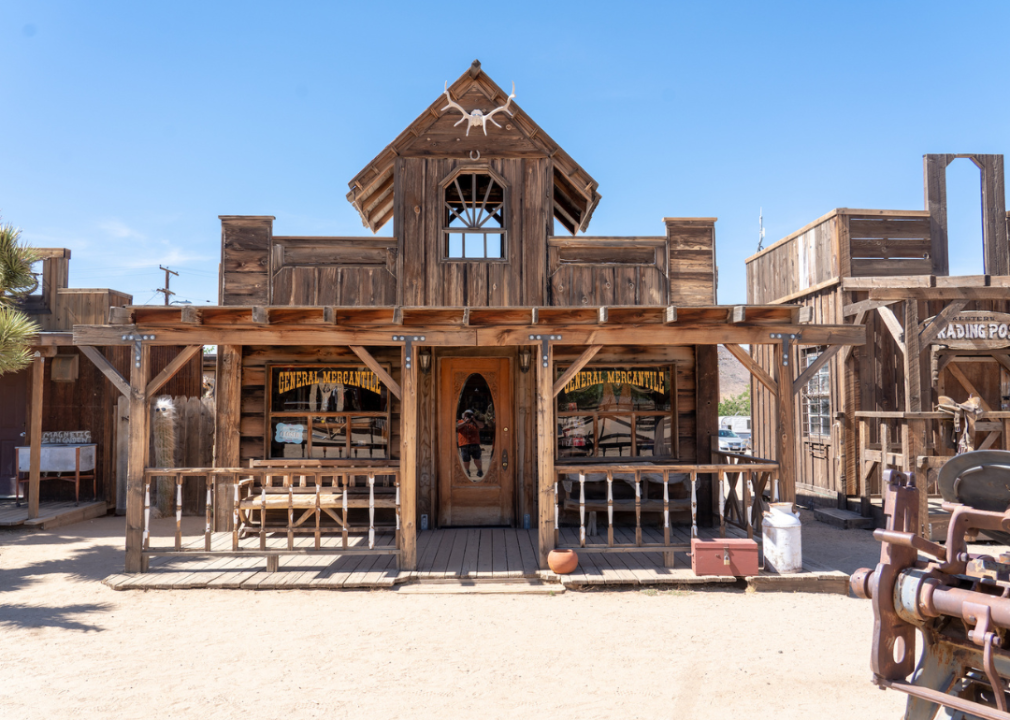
x,y
194,446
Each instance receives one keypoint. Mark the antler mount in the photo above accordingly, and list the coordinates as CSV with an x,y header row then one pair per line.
x,y
477,118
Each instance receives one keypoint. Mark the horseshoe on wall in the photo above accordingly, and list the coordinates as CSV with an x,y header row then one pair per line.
x,y
478,154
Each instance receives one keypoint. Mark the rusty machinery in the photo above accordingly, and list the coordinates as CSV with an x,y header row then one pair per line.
x,y
958,601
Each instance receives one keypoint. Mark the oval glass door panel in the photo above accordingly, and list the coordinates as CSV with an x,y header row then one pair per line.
x,y
475,428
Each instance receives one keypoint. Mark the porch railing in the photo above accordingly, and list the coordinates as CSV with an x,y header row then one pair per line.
x,y
311,492
754,474
884,443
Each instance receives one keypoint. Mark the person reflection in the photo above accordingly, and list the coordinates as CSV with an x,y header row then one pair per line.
x,y
468,441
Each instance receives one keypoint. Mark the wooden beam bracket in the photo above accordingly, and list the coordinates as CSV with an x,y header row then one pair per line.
x,y
574,368
172,369
762,375
106,368
816,365
380,372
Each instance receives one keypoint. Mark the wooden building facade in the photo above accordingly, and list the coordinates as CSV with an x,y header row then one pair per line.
x,y
471,369
928,335
64,391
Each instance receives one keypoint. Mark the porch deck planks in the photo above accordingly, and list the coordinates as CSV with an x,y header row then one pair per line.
x,y
454,569
455,553
484,557
499,554
470,555
528,552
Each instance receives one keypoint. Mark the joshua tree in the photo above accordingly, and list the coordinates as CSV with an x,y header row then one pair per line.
x,y
16,281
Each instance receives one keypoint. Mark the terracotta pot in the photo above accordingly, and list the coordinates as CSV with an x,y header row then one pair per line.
x,y
563,561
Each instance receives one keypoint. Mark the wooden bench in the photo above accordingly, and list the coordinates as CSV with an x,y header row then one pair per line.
x,y
311,489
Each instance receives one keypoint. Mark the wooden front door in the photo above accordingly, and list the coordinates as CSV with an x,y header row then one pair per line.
x,y
476,452
13,404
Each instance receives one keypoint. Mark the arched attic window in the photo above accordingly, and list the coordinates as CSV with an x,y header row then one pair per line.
x,y
473,215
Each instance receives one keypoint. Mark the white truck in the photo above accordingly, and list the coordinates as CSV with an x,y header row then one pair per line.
x,y
739,425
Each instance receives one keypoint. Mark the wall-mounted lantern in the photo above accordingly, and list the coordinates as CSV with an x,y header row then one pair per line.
x,y
525,358
424,360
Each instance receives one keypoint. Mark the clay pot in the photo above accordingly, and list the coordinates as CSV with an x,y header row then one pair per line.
x,y
562,561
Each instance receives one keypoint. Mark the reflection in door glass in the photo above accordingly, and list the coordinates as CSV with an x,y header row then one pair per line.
x,y
475,427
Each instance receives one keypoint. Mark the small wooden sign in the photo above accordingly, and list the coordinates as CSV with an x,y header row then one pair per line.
x,y
973,329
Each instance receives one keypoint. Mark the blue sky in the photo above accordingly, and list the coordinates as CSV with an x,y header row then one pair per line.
x,y
128,128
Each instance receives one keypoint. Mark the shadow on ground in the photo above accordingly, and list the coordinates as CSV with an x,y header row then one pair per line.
x,y
36,616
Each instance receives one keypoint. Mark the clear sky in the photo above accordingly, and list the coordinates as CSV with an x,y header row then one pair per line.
x,y
127,128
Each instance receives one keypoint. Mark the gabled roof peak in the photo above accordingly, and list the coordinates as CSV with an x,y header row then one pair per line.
x,y
437,133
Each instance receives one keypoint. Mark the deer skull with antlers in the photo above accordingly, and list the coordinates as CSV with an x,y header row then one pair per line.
x,y
477,118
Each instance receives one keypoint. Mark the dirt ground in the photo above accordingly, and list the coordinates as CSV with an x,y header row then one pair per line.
x,y
73,648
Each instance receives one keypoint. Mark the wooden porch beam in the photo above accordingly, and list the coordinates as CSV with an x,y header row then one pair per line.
x,y
759,373
954,370
859,320
408,462
580,362
785,426
897,332
138,449
940,293
173,368
545,455
108,370
928,334
1002,358
35,453
192,315
864,306
816,365
384,377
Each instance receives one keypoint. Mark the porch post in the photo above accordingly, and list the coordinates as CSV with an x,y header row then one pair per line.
x,y
785,423
545,450
408,459
35,454
917,385
139,440
227,436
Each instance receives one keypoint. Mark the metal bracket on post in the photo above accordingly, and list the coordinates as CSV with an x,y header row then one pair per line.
x,y
545,344
137,340
408,342
786,339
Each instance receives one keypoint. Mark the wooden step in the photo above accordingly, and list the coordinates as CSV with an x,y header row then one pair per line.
x,y
845,519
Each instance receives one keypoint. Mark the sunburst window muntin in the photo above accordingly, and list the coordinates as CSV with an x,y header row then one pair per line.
x,y
474,211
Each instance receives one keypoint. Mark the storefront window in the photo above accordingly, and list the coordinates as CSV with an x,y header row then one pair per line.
x,y
615,412
327,412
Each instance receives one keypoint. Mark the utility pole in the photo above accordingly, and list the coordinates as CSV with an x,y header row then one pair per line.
x,y
165,289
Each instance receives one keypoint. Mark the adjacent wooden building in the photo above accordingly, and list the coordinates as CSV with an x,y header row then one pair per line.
x,y
64,391
485,364
927,334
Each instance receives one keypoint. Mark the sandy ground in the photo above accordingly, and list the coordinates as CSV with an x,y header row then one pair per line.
x,y
73,648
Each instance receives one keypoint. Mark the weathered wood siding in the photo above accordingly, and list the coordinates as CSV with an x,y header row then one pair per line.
x,y
795,264
245,260
333,271
429,279
692,272
607,270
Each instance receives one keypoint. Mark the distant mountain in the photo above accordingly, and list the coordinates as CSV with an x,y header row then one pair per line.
x,y
733,377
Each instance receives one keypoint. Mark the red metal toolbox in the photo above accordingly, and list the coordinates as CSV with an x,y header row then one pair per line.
x,y
724,556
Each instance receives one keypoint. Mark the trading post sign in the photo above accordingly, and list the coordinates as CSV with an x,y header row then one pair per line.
x,y
976,329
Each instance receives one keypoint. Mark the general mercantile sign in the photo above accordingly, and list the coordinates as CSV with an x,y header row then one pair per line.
x,y
976,329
